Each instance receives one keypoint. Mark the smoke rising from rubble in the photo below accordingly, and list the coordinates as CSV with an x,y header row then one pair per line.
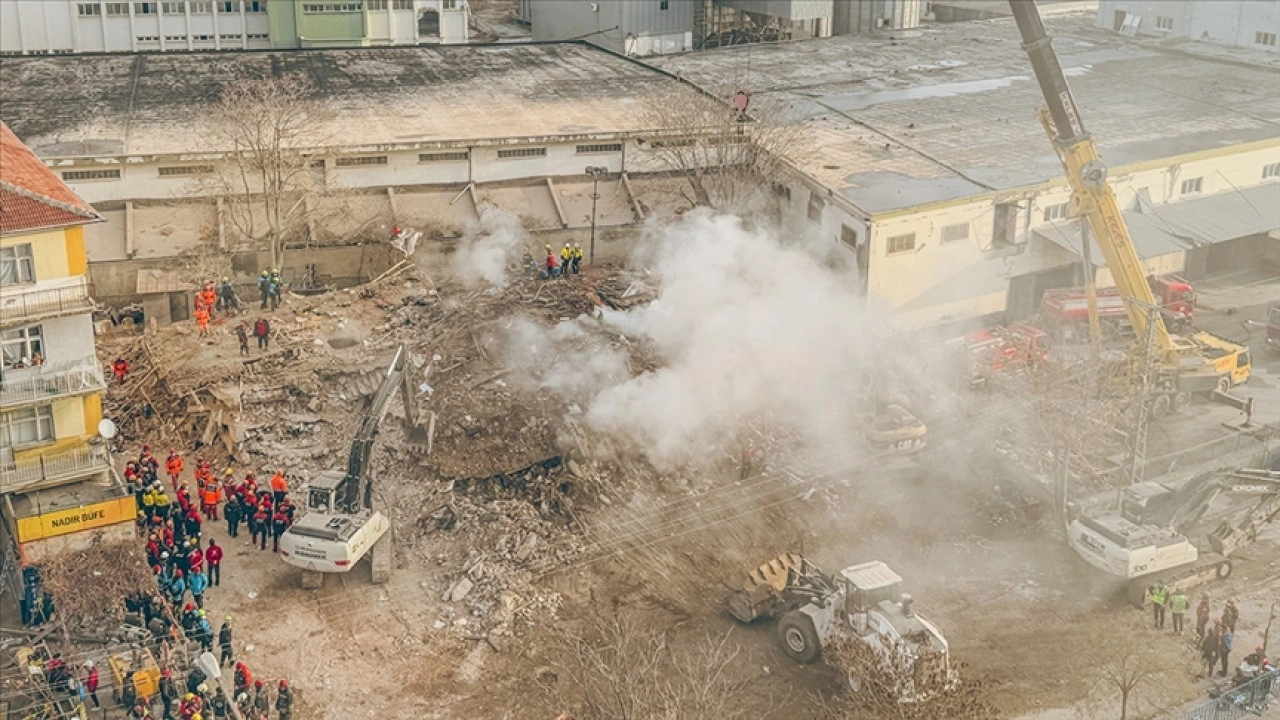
x,y
748,328
569,359
488,249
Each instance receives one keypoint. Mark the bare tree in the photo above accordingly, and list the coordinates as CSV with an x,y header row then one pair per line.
x,y
1133,668
266,126
627,670
724,156
881,688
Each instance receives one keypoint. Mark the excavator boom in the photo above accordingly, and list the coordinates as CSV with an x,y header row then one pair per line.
x,y
1087,175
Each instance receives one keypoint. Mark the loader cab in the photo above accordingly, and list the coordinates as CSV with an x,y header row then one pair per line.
x,y
322,494
1273,328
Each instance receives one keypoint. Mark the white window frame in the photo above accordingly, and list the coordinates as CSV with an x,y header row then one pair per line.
x,y
1271,170
89,9
1164,23
200,7
849,236
173,8
117,9
1193,186
22,343
1264,38
146,8
17,265
1058,211
375,5
39,417
897,244
401,4
599,149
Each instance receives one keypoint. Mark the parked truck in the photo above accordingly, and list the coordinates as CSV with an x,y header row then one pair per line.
x,y
1064,312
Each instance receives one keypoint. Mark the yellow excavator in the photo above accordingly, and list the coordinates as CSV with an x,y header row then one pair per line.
x,y
1201,363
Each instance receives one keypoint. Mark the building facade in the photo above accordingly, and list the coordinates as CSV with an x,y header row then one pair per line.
x,y
636,28
995,254
1239,23
55,473
59,27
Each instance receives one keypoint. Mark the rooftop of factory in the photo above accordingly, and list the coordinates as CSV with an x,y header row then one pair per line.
x,y
948,111
155,104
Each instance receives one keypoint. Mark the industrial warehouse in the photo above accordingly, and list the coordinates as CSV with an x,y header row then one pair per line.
x,y
603,342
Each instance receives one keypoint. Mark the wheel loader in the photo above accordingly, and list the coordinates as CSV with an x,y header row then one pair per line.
x,y
862,601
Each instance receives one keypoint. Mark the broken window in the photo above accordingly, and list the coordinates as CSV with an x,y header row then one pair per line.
x,y
816,206
1004,231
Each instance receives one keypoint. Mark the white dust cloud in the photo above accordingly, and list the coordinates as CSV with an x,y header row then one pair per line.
x,y
489,249
747,328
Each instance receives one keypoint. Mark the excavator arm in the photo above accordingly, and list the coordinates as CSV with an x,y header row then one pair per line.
x,y
357,475
1231,536
1087,175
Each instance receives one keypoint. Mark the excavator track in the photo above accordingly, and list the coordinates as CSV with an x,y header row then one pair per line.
x,y
1203,571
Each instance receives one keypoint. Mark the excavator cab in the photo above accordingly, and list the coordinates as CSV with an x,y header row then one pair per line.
x,y
322,494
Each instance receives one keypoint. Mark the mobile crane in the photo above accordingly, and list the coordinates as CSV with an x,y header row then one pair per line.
x,y
340,524
1200,364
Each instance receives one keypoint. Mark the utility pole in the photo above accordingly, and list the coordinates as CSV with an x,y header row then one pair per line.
x,y
595,173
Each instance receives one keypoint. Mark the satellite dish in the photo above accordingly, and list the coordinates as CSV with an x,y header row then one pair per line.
x,y
107,429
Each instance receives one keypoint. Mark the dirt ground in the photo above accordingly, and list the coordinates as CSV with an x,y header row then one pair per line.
x,y
601,534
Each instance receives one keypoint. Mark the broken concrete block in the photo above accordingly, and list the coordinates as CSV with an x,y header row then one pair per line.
x,y
460,590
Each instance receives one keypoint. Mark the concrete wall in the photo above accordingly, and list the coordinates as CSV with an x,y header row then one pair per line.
x,y
56,26
140,177
785,9
66,340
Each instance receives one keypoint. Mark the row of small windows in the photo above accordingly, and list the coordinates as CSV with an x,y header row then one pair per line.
x,y
523,152
113,174
444,157
184,170
394,4
118,9
312,8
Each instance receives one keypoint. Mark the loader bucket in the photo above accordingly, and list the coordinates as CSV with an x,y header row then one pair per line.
x,y
760,596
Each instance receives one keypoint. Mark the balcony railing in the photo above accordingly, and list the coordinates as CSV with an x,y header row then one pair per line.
x,y
19,305
49,382
47,470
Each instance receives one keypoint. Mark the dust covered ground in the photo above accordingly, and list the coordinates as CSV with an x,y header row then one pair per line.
x,y
582,463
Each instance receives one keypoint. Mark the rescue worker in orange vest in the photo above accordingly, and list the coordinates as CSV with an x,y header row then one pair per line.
x,y
279,487
173,466
202,320
209,296
204,472
120,368
210,497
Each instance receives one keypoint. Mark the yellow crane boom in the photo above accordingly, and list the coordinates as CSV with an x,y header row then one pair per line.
x,y
1087,176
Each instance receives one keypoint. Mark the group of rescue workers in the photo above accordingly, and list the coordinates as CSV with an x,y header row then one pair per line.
x,y
1215,641
570,261
223,298
184,569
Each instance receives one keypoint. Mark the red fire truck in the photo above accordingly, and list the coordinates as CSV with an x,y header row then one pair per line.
x,y
1004,349
1065,311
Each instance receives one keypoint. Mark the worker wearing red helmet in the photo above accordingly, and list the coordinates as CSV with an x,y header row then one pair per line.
x,y
284,700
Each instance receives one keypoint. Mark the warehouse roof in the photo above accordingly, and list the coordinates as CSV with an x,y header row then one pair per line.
x,y
146,104
949,110
32,197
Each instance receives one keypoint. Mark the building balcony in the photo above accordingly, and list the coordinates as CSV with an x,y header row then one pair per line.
x,y
30,386
20,305
53,469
